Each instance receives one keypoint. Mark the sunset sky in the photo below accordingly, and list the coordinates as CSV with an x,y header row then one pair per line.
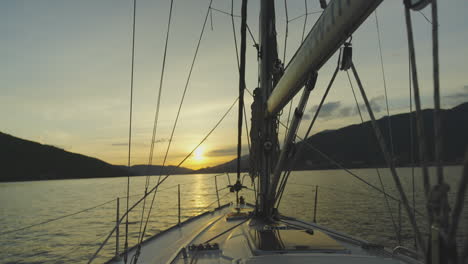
x,y
65,72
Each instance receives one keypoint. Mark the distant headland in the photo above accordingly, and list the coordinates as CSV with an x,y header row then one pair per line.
x,y
352,146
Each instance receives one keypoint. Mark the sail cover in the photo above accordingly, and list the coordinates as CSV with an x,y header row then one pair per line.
x,y
338,21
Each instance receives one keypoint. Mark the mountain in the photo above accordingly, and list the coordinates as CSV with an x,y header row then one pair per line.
x,y
157,169
355,146
230,166
24,160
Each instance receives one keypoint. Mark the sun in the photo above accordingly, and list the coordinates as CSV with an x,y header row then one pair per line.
x,y
198,154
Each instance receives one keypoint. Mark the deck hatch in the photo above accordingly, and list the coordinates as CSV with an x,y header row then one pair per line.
x,y
295,241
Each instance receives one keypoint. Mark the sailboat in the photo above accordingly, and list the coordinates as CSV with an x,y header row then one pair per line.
x,y
240,232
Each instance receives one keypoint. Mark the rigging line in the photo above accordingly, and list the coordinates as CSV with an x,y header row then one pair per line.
x,y
389,162
71,259
424,15
311,13
392,148
437,114
333,189
305,21
234,34
215,201
284,61
158,104
247,129
297,154
347,170
286,30
211,19
387,203
161,182
187,82
130,124
252,36
55,219
411,138
417,100
181,162
224,12
355,98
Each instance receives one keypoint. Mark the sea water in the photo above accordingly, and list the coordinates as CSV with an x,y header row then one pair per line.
x,y
344,204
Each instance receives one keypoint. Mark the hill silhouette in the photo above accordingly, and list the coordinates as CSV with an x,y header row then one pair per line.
x,y
355,146
24,160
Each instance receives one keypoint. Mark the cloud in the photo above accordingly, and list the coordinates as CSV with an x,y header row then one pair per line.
x,y
457,97
229,151
162,140
120,144
337,110
376,103
327,109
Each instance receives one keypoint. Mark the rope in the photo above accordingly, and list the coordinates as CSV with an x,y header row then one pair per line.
x,y
384,85
130,122
55,219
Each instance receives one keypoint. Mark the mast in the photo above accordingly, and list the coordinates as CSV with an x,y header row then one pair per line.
x,y
268,137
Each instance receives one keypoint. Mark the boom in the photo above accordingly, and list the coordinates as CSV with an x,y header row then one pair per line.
x,y
338,21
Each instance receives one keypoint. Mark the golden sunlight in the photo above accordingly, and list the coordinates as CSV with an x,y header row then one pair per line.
x,y
198,154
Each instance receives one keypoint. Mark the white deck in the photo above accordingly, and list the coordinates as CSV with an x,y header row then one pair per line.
x,y
241,244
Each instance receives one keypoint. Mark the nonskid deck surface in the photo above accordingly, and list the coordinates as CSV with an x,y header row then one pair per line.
x,y
211,238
